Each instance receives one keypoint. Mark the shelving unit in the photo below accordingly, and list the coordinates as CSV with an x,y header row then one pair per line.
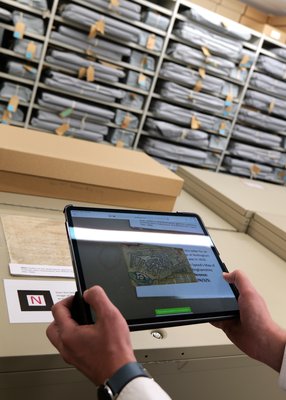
x,y
206,139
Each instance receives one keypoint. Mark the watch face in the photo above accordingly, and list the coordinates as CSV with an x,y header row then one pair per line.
x,y
104,393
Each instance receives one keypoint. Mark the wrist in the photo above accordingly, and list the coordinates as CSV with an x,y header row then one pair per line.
x,y
273,354
114,385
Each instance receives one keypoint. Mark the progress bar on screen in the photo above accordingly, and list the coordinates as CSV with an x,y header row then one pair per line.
x,y
170,311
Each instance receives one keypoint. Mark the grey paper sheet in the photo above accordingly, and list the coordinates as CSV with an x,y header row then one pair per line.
x,y
266,103
88,89
258,120
126,120
38,4
256,136
196,58
133,100
155,19
256,154
22,70
142,60
79,108
74,62
73,132
269,84
178,153
82,124
214,21
125,8
216,43
272,67
21,47
190,78
121,135
17,116
198,100
279,51
183,116
5,15
33,24
175,132
10,89
113,27
138,80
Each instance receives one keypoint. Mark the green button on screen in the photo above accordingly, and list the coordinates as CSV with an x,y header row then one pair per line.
x,y
169,311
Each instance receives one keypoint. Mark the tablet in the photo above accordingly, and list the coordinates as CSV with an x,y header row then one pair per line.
x,y
160,269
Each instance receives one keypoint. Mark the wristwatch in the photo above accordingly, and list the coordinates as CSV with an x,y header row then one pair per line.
x,y
113,386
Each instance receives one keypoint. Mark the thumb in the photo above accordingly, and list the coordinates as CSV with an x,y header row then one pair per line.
x,y
98,300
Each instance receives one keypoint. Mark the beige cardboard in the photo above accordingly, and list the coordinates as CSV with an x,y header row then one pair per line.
x,y
251,23
70,168
255,14
228,13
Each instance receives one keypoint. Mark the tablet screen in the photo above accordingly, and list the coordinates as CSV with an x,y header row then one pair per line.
x,y
159,269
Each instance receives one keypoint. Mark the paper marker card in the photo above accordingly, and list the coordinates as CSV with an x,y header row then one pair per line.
x,y
30,301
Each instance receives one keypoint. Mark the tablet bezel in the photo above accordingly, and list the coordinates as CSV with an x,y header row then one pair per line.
x,y
154,322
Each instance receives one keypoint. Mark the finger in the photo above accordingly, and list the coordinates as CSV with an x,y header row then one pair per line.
x,y
240,280
53,334
98,300
62,314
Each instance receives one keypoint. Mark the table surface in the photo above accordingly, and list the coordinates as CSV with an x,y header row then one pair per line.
x,y
237,251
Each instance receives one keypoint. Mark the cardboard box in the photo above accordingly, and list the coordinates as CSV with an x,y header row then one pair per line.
x,y
208,4
44,164
234,5
228,13
255,14
250,23
277,21
274,33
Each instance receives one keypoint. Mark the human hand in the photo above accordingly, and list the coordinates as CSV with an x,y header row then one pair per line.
x,y
98,350
255,332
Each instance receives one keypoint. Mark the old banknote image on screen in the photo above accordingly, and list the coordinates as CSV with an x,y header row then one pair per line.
x,y
157,265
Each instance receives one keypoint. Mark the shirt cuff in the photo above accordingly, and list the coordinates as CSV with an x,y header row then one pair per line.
x,y
142,388
282,376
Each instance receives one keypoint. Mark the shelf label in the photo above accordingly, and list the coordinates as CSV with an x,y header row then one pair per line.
x,y
6,117
120,143
81,73
98,27
114,3
195,123
202,73
126,121
271,107
206,52
90,74
66,113
31,50
62,129
19,31
255,170
151,41
198,86
13,104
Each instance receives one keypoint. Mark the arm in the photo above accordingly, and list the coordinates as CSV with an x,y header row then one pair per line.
x,y
255,332
98,350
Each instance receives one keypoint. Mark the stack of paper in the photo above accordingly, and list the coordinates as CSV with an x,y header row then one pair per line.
x,y
270,230
233,198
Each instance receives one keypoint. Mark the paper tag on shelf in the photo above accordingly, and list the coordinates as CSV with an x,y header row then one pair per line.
x,y
13,104
151,41
31,50
66,113
120,143
126,121
144,61
62,129
19,30
96,28
90,74
255,170
114,3
6,117
222,128
206,51
198,86
229,100
244,63
195,123
202,73
81,73
141,79
271,107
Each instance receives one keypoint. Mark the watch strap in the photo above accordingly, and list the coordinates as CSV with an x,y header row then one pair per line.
x,y
124,375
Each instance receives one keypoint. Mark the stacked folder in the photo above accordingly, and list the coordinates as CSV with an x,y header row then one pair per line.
x,y
233,198
270,230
